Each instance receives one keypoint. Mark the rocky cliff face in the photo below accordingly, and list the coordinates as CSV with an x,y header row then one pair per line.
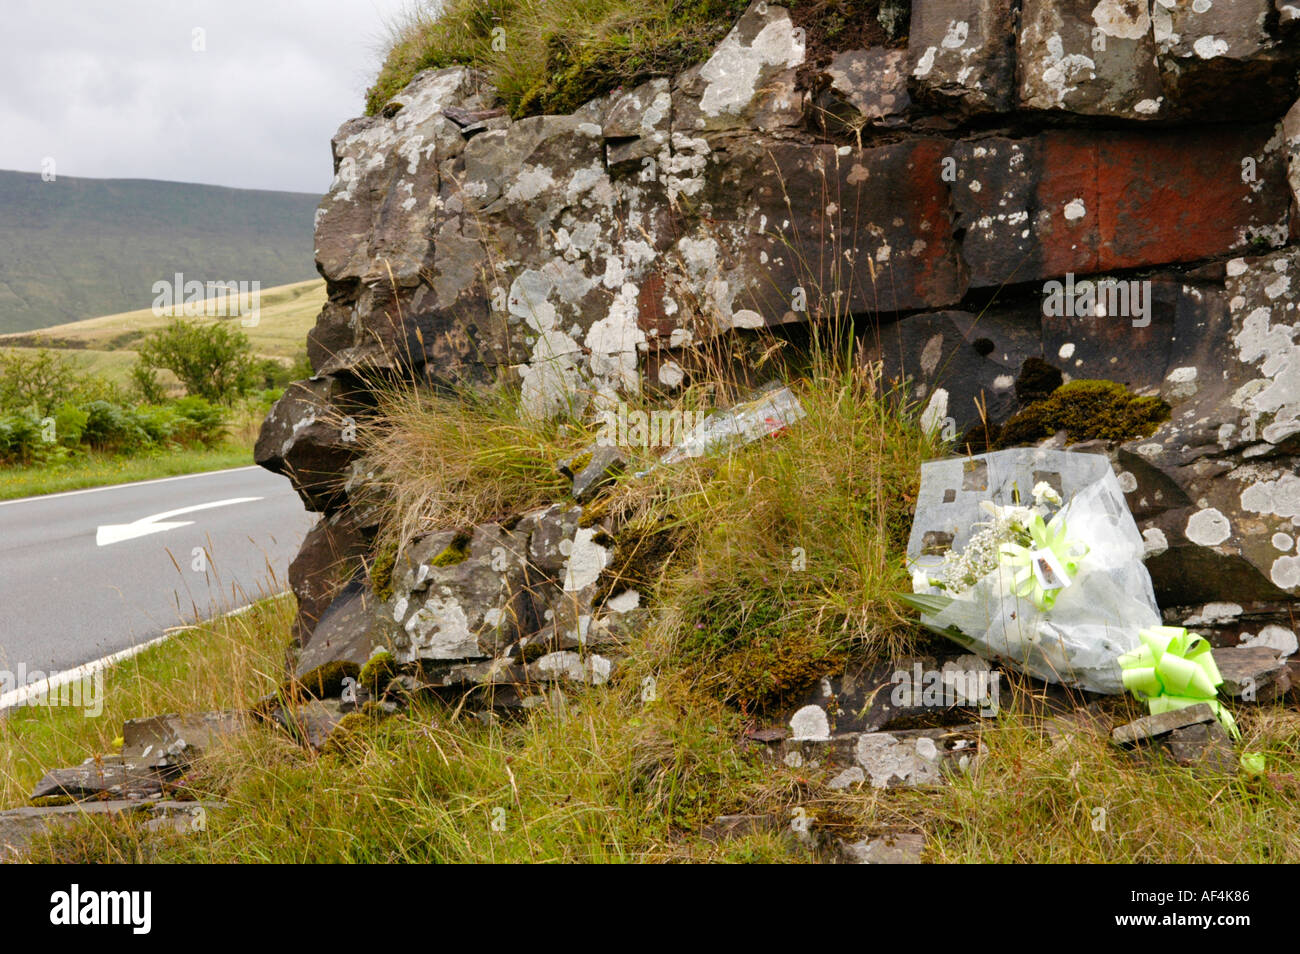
x,y
931,188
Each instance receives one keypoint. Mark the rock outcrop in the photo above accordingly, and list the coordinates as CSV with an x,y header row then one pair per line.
x,y
951,192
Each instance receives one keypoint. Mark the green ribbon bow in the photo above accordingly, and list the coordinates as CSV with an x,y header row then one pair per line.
x,y
1173,669
1027,579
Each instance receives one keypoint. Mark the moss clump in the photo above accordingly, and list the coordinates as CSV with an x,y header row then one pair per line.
x,y
378,672
349,735
455,552
381,571
751,654
594,512
1086,410
641,550
576,465
1037,380
978,439
51,801
323,682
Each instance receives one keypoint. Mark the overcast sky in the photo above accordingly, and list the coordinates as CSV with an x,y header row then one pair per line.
x,y
115,88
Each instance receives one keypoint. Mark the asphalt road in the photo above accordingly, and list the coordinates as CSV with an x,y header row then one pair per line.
x,y
93,572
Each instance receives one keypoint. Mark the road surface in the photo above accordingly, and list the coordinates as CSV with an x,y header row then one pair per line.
x,y
92,572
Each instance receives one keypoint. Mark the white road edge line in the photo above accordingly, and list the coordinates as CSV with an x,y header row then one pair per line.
x,y
133,483
19,697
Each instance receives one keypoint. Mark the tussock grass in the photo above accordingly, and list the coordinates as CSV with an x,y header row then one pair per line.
x,y
770,563
450,461
551,56
595,781
788,550
1030,802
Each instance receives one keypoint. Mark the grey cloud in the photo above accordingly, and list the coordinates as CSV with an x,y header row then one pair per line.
x,y
115,89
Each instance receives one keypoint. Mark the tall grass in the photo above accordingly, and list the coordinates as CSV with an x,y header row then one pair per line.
x,y
450,461
787,551
226,663
616,774
551,56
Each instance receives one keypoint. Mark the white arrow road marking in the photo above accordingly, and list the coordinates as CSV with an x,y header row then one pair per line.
x,y
111,533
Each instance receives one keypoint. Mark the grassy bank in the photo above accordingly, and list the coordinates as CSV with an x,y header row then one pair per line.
x,y
636,770
611,777
226,663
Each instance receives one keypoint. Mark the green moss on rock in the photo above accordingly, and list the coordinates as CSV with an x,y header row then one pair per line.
x,y
51,801
639,554
453,553
750,655
978,439
349,733
381,571
1086,410
378,672
576,465
324,681
593,513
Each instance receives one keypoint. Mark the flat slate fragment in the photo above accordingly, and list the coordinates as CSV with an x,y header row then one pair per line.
x,y
1154,726
174,739
1252,673
111,775
899,848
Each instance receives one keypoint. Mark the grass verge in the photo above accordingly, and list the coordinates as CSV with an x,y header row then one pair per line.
x,y
610,776
103,470
221,664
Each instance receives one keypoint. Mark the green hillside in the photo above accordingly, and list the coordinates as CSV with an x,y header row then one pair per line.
x,y
78,248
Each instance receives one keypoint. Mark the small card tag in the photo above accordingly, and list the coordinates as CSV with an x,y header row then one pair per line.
x,y
1048,570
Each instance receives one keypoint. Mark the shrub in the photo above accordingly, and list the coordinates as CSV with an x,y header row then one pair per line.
x,y
39,379
157,422
214,362
277,375
21,436
198,421
145,383
789,553
70,424
113,427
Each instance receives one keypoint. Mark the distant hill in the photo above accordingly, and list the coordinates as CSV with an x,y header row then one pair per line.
x,y
78,248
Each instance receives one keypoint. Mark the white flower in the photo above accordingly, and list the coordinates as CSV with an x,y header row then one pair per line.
x,y
1043,492
1009,515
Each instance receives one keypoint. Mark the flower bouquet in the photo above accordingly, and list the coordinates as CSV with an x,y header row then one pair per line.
x,y
1048,579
